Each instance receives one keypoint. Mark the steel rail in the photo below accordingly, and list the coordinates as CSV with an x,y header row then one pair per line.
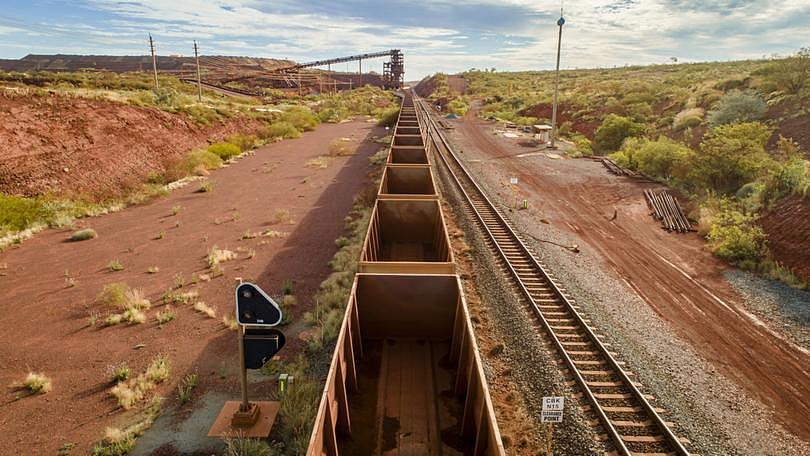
x,y
495,216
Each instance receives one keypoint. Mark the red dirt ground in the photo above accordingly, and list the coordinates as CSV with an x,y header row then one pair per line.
x,y
95,148
673,273
45,323
788,228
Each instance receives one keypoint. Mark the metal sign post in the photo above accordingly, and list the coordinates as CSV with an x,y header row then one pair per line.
x,y
256,314
552,412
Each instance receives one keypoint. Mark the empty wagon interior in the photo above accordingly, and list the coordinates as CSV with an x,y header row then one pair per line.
x,y
415,383
408,155
407,180
406,231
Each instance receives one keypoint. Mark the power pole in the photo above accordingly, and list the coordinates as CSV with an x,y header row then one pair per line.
x,y
360,72
199,81
560,23
154,60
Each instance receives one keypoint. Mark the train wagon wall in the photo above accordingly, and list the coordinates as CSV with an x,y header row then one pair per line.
x,y
407,236
414,383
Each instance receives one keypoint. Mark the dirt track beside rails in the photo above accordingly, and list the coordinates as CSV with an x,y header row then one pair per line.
x,y
45,322
673,273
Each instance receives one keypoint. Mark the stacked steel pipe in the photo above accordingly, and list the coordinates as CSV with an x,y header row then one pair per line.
x,y
666,209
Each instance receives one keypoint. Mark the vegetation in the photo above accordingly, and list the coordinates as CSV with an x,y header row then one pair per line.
x,y
610,136
217,256
115,266
130,392
119,442
737,106
129,301
224,150
164,316
242,446
185,388
36,383
705,129
83,235
120,373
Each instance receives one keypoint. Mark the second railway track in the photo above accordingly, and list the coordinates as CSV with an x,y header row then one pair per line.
x,y
631,424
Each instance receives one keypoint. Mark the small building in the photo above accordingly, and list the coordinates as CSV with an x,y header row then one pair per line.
x,y
542,132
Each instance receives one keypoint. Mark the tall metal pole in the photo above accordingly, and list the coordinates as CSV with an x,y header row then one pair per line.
x,y
199,81
154,60
560,23
245,405
360,72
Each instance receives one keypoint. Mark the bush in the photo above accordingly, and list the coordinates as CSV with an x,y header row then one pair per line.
x,y
244,142
662,158
37,383
281,130
613,131
688,118
731,156
18,213
83,235
735,237
224,150
202,157
300,117
738,106
389,117
791,75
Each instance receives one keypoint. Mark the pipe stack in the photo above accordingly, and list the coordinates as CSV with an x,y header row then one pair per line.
x,y
666,209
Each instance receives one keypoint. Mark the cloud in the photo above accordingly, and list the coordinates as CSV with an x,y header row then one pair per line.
x,y
435,35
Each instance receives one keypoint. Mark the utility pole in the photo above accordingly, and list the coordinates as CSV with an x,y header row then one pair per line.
x,y
361,72
560,23
154,60
199,81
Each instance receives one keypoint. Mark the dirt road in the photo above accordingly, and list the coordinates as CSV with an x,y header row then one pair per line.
x,y
673,273
44,326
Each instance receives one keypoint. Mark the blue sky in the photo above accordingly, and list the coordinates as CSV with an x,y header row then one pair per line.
x,y
436,35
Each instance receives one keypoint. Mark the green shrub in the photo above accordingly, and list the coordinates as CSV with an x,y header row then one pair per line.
x,y
736,237
281,130
662,158
83,235
201,158
389,117
613,131
300,117
165,97
738,106
18,213
688,118
244,142
224,150
731,156
582,144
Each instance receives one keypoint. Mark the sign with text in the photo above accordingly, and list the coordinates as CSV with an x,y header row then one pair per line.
x,y
552,409
553,402
513,180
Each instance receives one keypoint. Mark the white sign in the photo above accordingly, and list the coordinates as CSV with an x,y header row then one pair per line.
x,y
513,180
553,403
551,416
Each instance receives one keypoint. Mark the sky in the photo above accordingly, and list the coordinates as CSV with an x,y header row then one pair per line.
x,y
435,35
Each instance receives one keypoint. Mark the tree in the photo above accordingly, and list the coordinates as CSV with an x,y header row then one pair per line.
x,y
737,106
731,156
613,131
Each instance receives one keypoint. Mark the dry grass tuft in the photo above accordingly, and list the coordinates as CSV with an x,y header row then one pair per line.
x,y
230,323
36,383
273,234
342,147
281,216
321,162
217,256
204,308
130,392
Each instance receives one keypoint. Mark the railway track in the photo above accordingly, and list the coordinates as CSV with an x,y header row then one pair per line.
x,y
631,424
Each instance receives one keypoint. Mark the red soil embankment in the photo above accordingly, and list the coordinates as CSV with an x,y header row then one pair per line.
x,y
95,148
788,228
